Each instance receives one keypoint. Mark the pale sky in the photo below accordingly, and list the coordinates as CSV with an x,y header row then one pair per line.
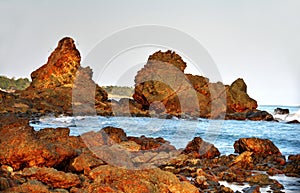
x,y
257,40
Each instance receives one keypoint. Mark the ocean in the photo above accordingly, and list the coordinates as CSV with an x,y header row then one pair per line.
x,y
221,133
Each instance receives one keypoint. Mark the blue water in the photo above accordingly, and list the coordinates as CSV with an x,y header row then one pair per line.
x,y
221,133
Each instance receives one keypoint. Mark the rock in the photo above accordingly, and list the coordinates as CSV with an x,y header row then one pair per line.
x,y
85,162
198,148
244,160
162,87
62,82
262,147
257,115
21,146
281,111
252,189
52,177
237,98
149,143
292,167
32,186
293,122
152,180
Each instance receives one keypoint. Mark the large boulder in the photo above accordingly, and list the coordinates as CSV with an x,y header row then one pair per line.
x,y
161,86
21,146
262,147
113,179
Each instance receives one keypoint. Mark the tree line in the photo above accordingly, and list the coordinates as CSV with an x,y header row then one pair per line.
x,y
14,84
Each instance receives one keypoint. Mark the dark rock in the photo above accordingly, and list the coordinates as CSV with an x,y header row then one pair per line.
x,y
292,167
293,122
262,147
252,189
199,148
281,111
258,115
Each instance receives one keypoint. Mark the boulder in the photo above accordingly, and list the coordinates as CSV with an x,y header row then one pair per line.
x,y
198,148
261,147
21,146
152,180
281,111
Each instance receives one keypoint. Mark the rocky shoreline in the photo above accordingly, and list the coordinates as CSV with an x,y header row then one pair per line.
x,y
108,160
50,160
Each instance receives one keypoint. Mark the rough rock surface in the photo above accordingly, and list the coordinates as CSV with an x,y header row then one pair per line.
x,y
161,86
21,146
263,147
198,148
62,82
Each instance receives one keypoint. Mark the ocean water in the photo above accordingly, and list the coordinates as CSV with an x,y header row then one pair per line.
x,y
221,133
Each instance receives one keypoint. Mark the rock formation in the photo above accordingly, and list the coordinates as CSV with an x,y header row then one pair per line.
x,y
62,82
162,86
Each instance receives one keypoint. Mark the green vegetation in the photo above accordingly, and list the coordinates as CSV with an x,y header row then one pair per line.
x,y
119,90
12,83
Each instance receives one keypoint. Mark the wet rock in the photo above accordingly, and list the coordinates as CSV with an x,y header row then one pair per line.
x,y
292,167
281,111
257,115
252,189
52,177
262,147
293,122
198,148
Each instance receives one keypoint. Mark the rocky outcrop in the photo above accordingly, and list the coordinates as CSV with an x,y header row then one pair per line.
x,y
161,86
62,82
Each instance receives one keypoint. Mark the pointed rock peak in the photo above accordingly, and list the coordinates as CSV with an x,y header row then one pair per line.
x,y
239,84
169,57
61,67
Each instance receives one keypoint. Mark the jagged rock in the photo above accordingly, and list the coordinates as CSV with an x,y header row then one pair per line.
x,y
161,86
198,148
237,98
62,82
262,147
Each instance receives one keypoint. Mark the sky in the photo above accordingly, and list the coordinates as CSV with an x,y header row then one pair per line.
x,y
256,40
